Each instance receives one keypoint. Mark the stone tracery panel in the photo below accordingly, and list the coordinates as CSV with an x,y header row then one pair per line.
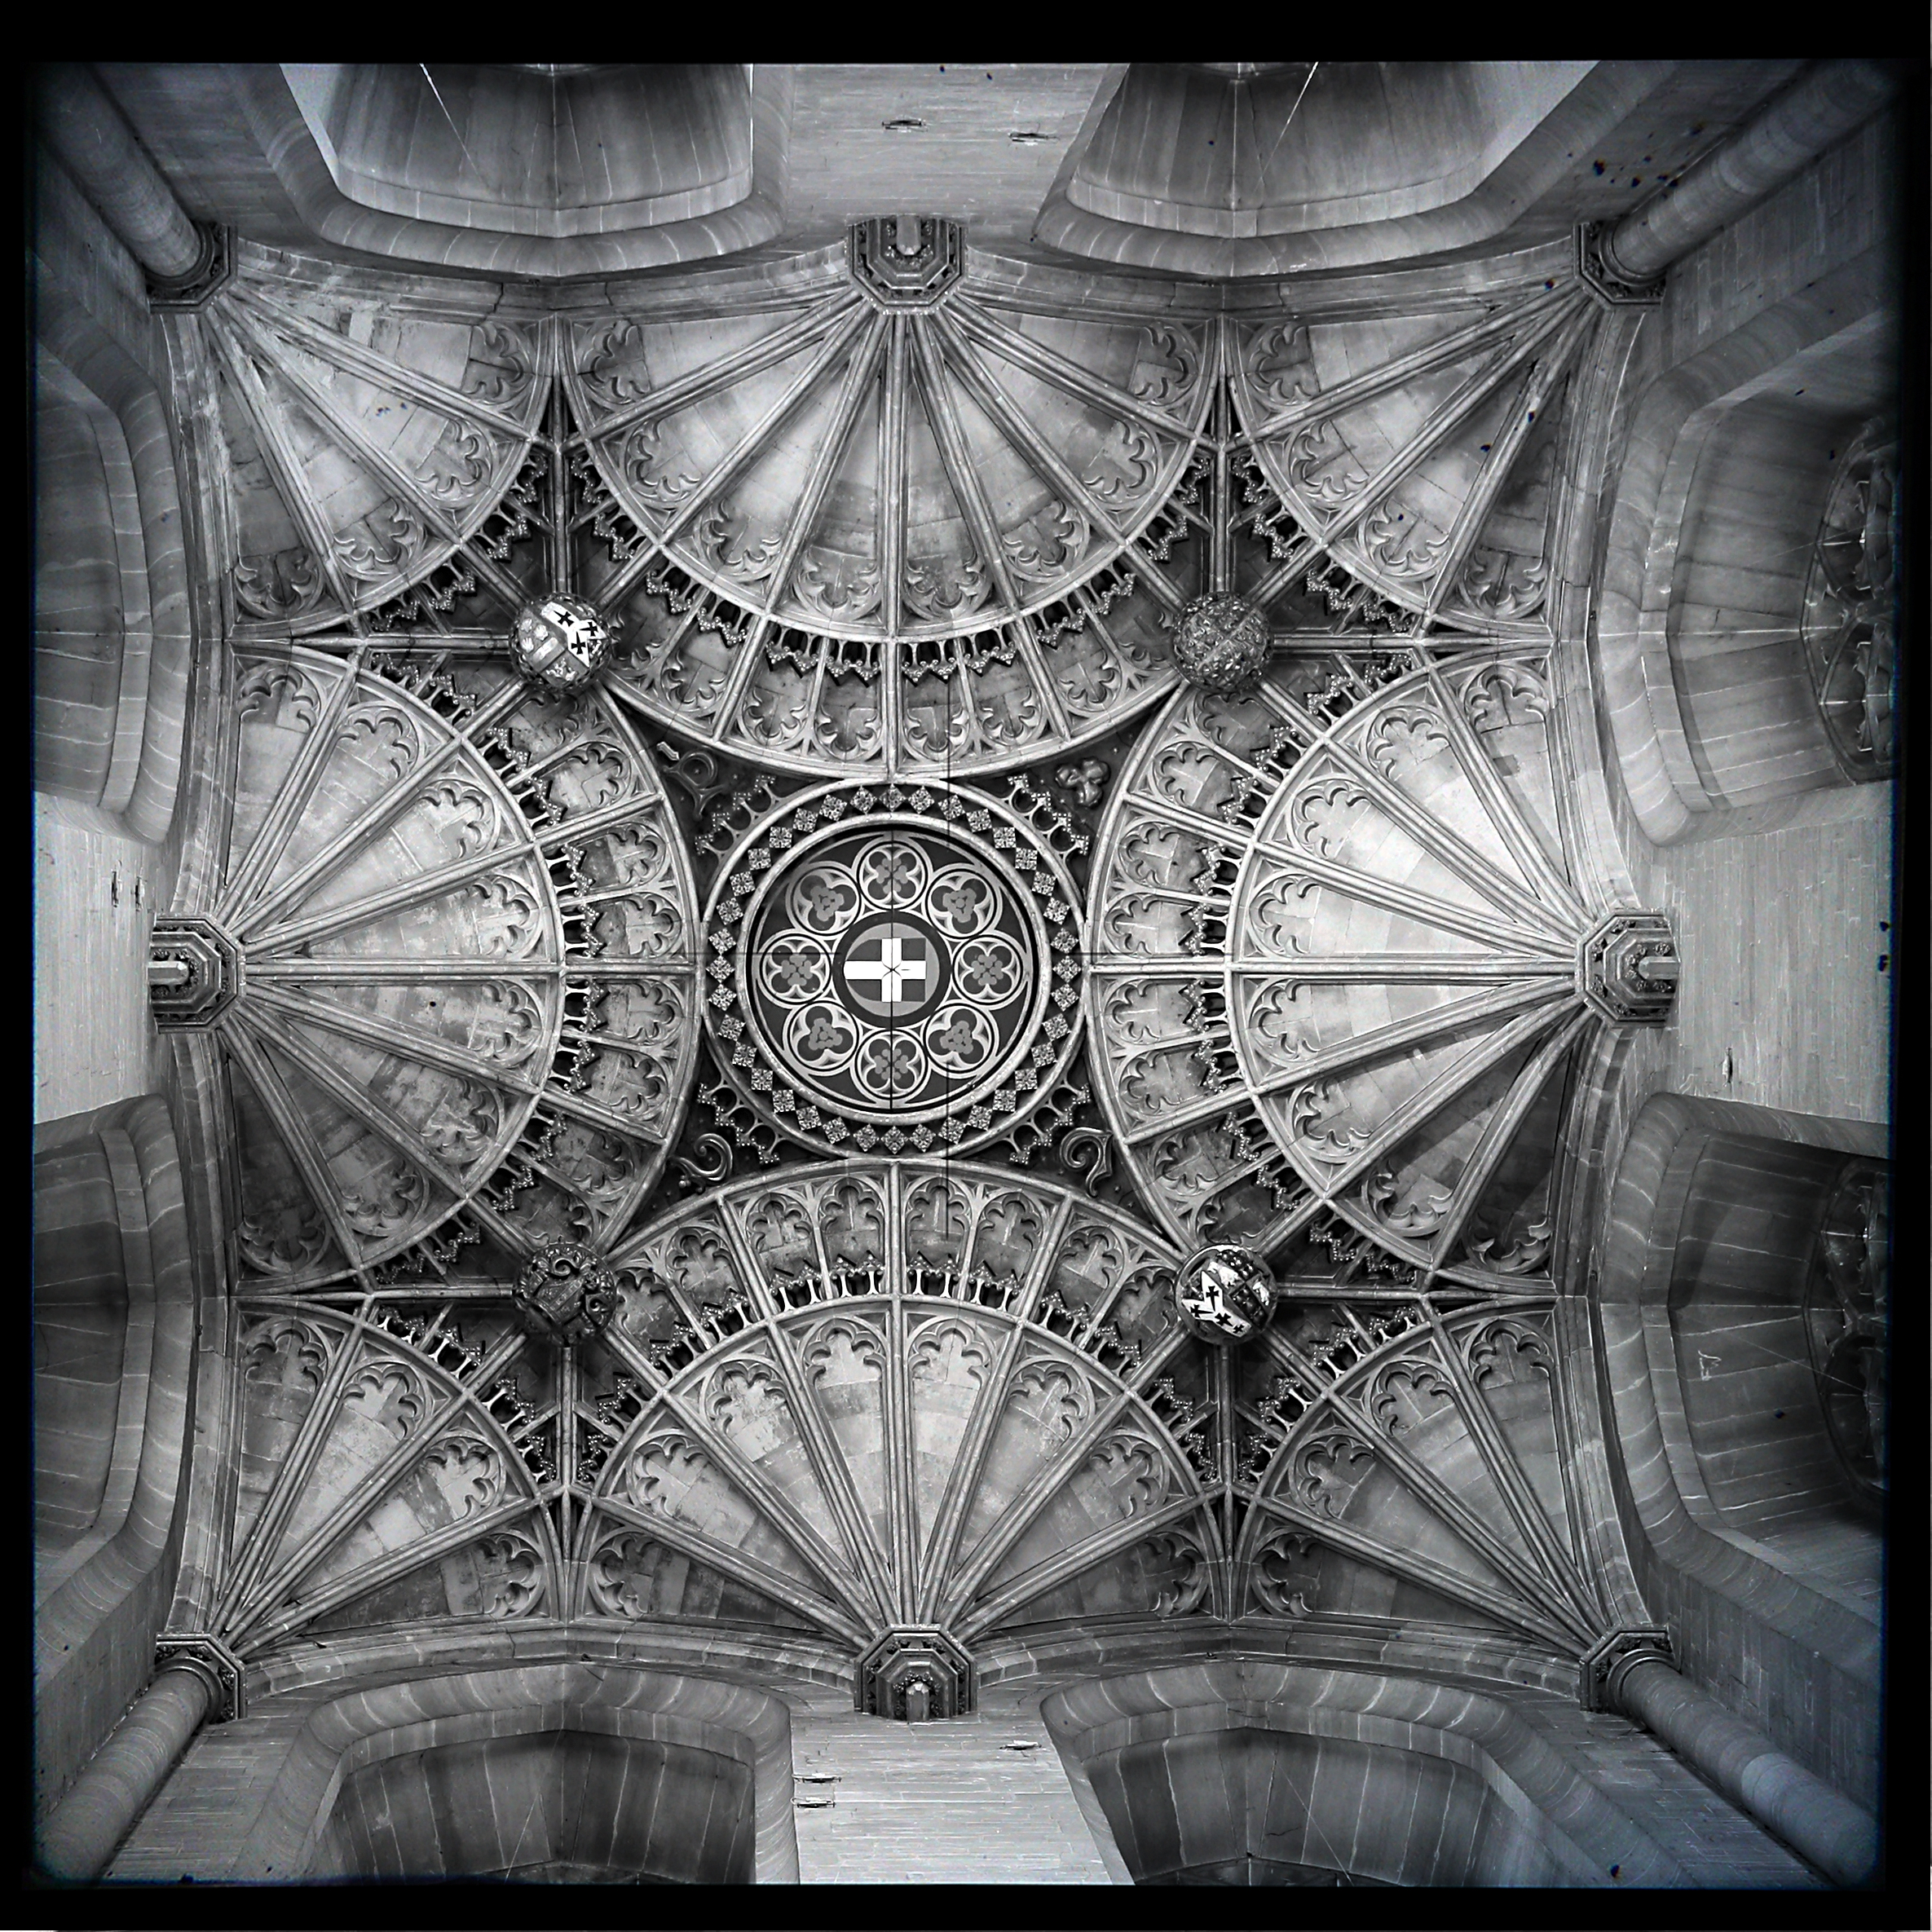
x,y
369,441
1413,444
898,968
837,1401
1335,971
921,535
467,937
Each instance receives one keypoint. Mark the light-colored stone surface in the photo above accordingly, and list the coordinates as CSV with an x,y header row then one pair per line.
x,y
1784,1002
95,895
950,1803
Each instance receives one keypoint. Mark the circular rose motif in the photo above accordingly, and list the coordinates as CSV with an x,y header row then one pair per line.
x,y
794,968
892,1066
960,1039
962,900
903,976
988,971
822,1037
825,901
892,871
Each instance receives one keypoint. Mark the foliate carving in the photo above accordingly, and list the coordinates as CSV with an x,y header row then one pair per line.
x,y
566,1292
906,260
1627,967
194,972
287,1240
468,1472
287,1352
510,1576
1191,1570
1283,1572
1221,644
614,1576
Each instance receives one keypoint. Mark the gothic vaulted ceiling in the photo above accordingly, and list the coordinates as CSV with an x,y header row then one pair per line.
x,y
714,1147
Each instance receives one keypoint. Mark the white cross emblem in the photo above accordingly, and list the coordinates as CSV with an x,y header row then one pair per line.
x,y
892,968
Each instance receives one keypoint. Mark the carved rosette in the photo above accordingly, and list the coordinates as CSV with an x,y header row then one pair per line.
x,y
565,1293
1221,644
897,968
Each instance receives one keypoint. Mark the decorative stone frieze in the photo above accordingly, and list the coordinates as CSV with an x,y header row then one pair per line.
x,y
915,1673
1627,967
194,972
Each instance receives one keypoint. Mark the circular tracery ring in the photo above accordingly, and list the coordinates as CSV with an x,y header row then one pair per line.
x,y
894,969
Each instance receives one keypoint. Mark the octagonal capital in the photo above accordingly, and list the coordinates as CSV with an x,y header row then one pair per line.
x,y
916,1673
1627,967
906,260
194,972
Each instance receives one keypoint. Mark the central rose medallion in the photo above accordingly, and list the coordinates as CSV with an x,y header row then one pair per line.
x,y
894,975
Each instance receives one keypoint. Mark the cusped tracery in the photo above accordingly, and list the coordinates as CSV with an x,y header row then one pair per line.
x,y
369,441
467,933
938,536
833,1401
1335,979
1412,448
897,968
